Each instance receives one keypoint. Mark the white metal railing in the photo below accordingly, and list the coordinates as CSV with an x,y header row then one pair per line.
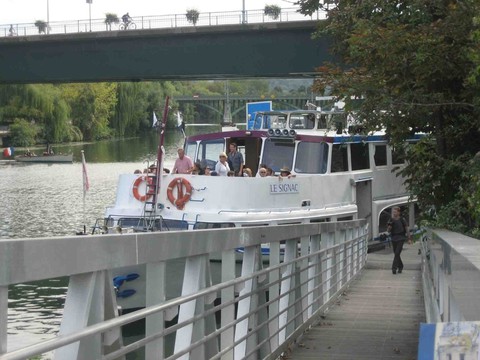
x,y
255,314
450,276
159,21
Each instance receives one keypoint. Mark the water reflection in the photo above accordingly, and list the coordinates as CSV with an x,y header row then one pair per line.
x,y
47,200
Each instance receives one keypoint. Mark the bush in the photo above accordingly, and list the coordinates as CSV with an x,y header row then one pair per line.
x,y
111,19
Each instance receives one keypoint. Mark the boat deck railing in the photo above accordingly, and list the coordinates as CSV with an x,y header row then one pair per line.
x,y
255,309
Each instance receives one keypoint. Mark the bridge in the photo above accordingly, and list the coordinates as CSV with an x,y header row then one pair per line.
x,y
289,304
269,49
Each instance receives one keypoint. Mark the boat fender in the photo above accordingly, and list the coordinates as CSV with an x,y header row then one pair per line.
x,y
182,197
136,185
125,293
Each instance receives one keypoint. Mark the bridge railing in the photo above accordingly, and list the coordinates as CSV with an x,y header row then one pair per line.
x,y
259,306
450,276
158,22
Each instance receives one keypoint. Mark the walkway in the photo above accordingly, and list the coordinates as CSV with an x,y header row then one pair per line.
x,y
378,317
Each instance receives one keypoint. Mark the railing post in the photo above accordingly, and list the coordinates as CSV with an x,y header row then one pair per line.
x,y
228,294
245,306
155,294
327,242
304,250
286,296
274,276
314,275
3,318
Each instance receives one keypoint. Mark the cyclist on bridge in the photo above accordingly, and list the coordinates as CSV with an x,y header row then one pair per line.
x,y
126,19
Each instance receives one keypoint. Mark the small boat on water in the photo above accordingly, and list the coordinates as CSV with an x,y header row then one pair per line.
x,y
334,174
57,158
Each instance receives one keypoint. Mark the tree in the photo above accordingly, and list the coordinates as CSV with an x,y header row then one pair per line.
x,y
111,19
41,26
416,64
192,16
273,11
23,133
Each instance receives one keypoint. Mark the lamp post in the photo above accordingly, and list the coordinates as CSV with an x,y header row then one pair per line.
x,y
89,2
48,18
244,20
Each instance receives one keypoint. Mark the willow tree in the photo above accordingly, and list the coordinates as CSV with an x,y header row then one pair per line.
x,y
415,63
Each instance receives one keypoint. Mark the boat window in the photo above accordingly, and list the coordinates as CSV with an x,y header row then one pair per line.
x,y
380,156
360,159
398,155
338,120
172,225
190,149
278,154
208,151
276,121
302,121
322,220
204,225
312,158
339,158
322,121
345,218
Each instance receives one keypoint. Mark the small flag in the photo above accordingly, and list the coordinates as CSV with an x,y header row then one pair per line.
x,y
155,120
86,184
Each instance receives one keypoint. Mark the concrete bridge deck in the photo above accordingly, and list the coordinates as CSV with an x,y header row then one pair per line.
x,y
377,317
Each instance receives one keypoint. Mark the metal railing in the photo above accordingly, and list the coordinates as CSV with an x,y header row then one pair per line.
x,y
450,276
256,313
158,22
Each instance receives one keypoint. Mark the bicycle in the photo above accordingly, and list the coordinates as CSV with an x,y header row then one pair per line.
x,y
128,26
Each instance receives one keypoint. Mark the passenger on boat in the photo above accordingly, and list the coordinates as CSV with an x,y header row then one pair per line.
x,y
270,171
208,171
247,172
231,173
137,171
285,172
262,172
235,158
222,167
183,164
197,169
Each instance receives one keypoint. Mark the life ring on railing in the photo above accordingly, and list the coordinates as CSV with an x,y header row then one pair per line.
x,y
136,185
182,197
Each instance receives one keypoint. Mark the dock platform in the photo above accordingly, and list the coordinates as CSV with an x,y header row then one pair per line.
x,y
377,317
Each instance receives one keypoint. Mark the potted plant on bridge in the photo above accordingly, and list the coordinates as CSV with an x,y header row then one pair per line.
x,y
111,19
41,25
192,16
273,11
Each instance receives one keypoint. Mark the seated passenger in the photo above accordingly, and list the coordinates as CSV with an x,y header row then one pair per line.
x,y
285,172
262,172
231,173
247,172
208,171
270,172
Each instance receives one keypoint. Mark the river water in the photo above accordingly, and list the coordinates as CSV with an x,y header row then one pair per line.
x,y
40,200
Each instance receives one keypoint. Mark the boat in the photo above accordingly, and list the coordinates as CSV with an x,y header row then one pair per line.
x,y
57,158
336,173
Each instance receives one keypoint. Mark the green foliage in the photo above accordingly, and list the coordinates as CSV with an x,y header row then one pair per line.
x,y
92,106
273,11
192,16
23,133
416,64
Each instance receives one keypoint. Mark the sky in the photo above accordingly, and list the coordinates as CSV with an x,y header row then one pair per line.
x,y
28,11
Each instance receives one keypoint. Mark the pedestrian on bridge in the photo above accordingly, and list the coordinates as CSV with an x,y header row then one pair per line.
x,y
398,228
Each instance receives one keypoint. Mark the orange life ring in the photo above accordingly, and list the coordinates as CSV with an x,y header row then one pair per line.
x,y
182,197
136,185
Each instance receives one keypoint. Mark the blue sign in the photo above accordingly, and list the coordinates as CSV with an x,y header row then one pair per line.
x,y
253,108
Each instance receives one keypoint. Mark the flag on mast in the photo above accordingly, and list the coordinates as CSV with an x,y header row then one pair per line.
x,y
86,183
155,120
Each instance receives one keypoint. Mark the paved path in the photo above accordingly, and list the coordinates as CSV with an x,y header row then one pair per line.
x,y
377,317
